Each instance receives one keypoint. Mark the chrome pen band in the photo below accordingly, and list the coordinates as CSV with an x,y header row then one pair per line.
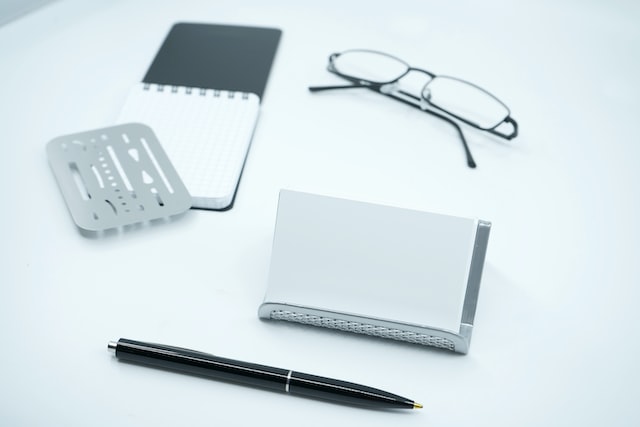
x,y
286,386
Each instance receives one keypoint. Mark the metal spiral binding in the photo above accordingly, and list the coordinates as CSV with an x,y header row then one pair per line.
x,y
201,91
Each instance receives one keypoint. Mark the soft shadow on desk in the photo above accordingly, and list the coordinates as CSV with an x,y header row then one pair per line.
x,y
504,309
15,9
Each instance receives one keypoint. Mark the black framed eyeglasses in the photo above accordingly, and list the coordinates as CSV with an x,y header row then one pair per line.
x,y
445,97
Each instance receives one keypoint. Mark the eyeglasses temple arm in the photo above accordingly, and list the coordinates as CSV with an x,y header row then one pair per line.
x,y
351,86
470,162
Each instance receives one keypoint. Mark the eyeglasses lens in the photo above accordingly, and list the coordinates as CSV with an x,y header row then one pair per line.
x,y
370,66
465,101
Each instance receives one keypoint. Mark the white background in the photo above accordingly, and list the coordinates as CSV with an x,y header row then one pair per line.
x,y
556,336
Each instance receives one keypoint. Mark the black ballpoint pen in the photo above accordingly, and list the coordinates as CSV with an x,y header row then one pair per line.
x,y
208,365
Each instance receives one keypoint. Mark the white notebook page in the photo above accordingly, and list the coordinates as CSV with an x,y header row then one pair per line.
x,y
206,134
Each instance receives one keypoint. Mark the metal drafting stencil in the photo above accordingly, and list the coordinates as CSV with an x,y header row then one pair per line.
x,y
116,176
376,270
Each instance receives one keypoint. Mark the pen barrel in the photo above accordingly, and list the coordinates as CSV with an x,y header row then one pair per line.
x,y
201,364
344,392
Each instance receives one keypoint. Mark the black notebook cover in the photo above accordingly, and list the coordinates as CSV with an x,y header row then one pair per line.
x,y
211,56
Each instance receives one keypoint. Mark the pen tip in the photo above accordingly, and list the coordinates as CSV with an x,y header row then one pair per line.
x,y
417,405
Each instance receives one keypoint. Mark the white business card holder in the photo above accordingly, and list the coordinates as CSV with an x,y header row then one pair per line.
x,y
377,270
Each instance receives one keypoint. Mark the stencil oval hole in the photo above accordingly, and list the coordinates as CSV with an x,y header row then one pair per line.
x,y
77,178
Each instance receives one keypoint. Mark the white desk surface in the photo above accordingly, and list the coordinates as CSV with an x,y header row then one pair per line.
x,y
556,336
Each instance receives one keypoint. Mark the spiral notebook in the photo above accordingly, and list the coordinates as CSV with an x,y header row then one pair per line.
x,y
201,96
